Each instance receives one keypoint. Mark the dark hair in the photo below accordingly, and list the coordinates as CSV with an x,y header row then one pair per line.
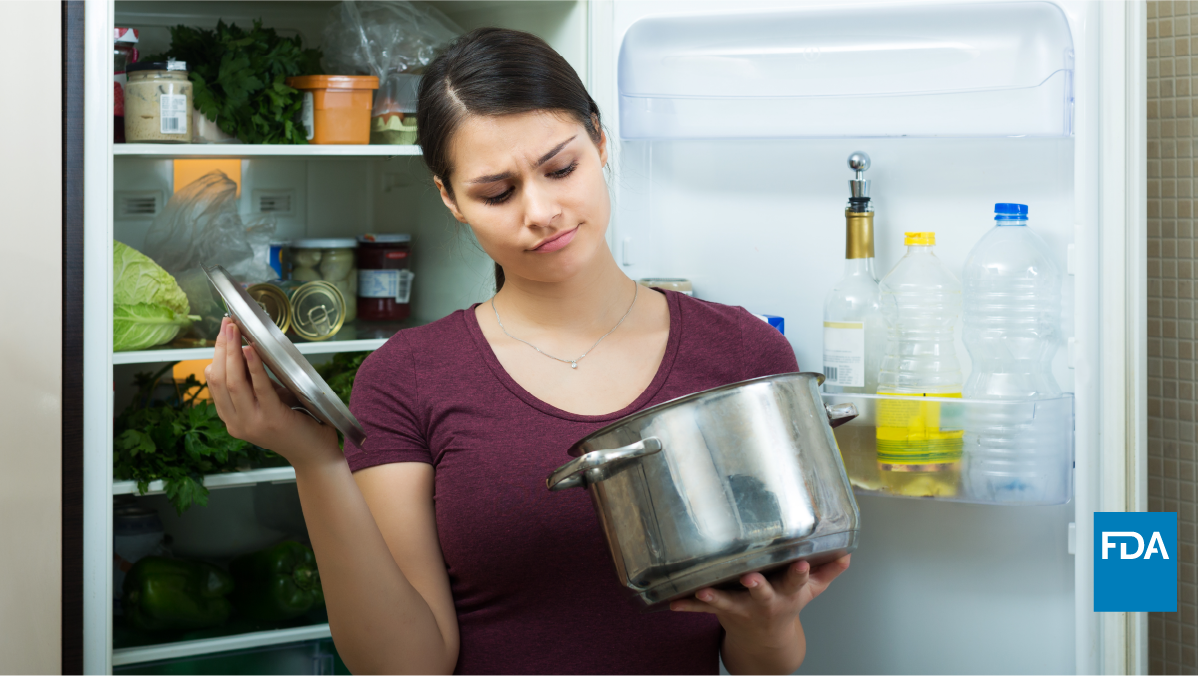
x,y
495,71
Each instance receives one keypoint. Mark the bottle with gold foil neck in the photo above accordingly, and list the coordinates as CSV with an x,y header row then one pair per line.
x,y
854,325
855,332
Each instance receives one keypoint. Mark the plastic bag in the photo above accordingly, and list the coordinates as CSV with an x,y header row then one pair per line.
x,y
388,40
200,226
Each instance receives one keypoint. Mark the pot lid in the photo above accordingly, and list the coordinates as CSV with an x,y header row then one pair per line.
x,y
283,359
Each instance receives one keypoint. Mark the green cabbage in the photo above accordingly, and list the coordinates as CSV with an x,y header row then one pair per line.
x,y
149,308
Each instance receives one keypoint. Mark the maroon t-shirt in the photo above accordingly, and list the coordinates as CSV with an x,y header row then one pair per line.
x,y
534,585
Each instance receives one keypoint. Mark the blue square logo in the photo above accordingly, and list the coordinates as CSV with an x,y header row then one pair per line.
x,y
1135,565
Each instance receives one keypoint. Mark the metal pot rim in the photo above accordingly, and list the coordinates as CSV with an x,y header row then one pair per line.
x,y
576,449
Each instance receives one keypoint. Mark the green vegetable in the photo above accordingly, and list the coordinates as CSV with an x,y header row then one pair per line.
x,y
149,308
278,583
162,594
340,371
177,441
238,79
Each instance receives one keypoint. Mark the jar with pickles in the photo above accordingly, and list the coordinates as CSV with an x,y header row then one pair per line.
x,y
330,260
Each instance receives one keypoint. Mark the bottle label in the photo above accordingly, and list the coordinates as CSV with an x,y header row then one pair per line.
x,y
845,354
395,284
306,115
913,432
172,114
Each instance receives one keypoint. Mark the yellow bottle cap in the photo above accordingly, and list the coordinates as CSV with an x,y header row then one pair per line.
x,y
918,238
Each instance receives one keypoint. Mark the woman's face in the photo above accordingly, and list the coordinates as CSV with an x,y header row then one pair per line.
x,y
531,187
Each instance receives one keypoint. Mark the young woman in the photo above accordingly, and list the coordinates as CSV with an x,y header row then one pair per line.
x,y
469,414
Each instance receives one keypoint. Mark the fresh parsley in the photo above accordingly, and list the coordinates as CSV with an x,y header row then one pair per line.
x,y
178,440
238,79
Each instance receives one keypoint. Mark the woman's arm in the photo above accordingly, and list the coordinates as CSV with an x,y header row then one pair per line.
x,y
754,655
389,602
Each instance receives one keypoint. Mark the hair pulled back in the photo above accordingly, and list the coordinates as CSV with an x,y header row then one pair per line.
x,y
491,72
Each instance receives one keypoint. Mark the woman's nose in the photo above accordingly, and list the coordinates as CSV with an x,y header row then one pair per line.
x,y
541,208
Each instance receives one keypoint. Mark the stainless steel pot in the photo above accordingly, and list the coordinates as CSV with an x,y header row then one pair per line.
x,y
699,490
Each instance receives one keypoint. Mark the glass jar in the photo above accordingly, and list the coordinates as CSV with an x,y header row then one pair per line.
x,y
384,277
330,260
124,53
158,102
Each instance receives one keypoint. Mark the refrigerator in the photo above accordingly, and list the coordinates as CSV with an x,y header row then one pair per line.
x,y
729,126
732,124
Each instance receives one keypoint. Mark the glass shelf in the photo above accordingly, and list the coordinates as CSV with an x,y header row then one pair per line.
x,y
960,450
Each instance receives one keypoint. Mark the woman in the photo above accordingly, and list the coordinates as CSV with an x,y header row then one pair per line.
x,y
473,411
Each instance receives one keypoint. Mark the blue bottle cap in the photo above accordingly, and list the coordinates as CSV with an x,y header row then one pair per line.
x,y
1011,214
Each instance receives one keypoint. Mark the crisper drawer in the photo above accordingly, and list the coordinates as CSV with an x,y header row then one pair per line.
x,y
961,450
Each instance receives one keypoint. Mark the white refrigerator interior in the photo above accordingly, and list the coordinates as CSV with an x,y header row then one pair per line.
x,y
731,130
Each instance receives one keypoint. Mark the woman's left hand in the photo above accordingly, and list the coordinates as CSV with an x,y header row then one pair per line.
x,y
767,612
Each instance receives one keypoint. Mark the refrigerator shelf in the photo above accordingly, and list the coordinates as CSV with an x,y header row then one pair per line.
x,y
346,340
213,481
257,639
1005,452
897,70
238,150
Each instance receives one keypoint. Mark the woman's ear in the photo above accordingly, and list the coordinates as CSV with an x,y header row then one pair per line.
x,y
449,201
602,144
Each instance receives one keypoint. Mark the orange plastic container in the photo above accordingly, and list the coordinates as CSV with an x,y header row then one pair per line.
x,y
337,108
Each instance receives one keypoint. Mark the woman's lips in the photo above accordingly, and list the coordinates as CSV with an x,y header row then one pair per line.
x,y
558,242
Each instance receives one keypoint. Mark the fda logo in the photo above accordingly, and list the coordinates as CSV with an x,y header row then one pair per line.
x,y
1134,559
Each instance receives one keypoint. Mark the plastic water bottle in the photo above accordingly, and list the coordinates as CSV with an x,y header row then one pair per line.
x,y
1012,292
918,449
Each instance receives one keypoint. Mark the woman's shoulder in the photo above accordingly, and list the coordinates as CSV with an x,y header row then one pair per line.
x,y
434,342
709,326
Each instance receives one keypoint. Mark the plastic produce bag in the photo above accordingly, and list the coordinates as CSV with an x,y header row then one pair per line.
x,y
200,226
391,40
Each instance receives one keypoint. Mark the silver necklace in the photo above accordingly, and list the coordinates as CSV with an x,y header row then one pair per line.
x,y
572,362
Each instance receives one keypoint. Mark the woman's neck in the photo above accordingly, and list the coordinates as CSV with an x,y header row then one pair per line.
x,y
593,299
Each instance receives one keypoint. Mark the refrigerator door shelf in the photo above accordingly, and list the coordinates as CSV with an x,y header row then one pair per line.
x,y
960,450
988,69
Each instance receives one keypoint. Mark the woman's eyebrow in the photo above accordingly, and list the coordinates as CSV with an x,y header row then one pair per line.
x,y
492,178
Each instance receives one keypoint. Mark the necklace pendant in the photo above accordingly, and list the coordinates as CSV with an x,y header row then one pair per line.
x,y
574,365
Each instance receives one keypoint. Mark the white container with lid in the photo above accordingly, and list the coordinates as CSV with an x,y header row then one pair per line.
x,y
158,102
330,259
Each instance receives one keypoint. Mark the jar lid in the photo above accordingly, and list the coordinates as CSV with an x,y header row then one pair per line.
x,y
333,82
125,35
157,65
318,310
282,357
384,239
327,243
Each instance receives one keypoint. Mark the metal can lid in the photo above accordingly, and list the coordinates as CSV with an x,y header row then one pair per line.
x,y
318,310
325,243
384,239
274,302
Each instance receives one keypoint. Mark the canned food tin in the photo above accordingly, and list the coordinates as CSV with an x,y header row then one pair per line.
x,y
318,310
274,302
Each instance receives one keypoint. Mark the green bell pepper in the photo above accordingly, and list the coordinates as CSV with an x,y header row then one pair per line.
x,y
161,594
278,583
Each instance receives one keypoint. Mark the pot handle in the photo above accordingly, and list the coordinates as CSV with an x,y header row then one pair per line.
x,y
840,414
570,475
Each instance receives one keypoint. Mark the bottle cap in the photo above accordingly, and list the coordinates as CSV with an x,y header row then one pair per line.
x,y
1007,211
918,239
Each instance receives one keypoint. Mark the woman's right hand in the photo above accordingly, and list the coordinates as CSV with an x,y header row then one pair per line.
x,y
254,409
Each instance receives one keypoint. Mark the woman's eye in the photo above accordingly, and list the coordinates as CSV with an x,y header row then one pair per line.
x,y
497,199
564,172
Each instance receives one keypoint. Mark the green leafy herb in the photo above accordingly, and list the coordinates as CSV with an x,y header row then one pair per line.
x,y
238,79
178,440
340,371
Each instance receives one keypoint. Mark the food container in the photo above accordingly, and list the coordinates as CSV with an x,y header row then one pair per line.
x,y
330,260
274,301
206,131
281,356
699,490
277,257
393,119
337,108
124,53
318,310
673,283
158,102
384,278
